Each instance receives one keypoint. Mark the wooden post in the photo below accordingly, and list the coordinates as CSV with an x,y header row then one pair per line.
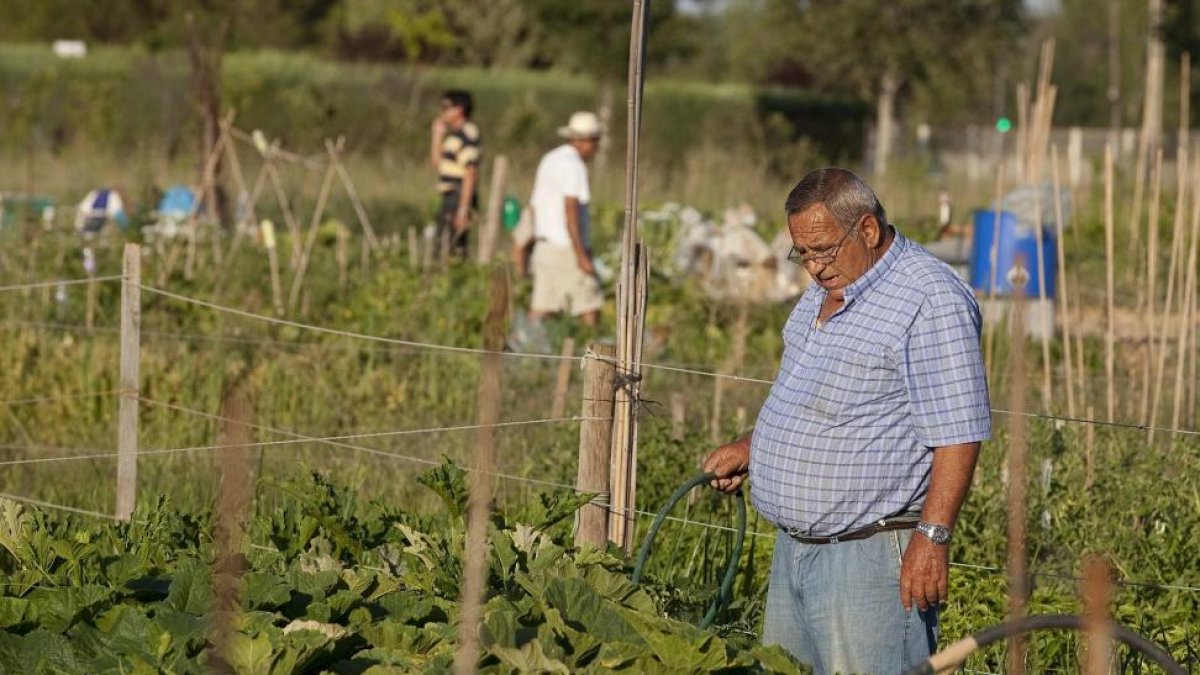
x,y
127,414
563,381
475,568
595,444
236,492
678,416
1109,337
429,248
495,206
1097,589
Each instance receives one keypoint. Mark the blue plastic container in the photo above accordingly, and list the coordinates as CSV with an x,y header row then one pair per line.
x,y
1017,242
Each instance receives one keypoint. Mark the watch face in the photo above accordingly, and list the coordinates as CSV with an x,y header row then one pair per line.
x,y
938,534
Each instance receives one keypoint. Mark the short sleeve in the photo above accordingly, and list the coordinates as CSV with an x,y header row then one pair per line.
x,y
944,373
575,182
470,153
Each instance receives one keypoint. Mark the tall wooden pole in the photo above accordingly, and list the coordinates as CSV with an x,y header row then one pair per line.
x,y
1109,339
1185,313
127,414
595,444
475,567
629,298
562,381
1018,587
495,206
1152,282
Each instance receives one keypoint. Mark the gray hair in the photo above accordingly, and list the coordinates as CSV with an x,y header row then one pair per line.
x,y
847,197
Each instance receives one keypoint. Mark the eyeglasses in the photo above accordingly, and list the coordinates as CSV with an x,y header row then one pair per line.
x,y
823,256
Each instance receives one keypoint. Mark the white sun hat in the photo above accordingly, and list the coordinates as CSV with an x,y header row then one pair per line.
x,y
583,124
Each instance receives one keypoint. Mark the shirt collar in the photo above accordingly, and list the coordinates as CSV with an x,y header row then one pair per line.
x,y
879,270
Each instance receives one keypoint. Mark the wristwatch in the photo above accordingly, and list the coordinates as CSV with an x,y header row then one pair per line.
x,y
938,534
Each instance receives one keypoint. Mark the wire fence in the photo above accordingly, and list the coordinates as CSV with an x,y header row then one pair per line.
x,y
60,282
339,441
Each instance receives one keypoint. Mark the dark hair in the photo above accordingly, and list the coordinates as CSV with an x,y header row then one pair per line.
x,y
459,98
842,192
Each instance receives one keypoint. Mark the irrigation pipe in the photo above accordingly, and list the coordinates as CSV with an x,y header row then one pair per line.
x,y
722,597
951,657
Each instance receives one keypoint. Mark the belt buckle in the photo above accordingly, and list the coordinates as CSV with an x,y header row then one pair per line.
x,y
833,540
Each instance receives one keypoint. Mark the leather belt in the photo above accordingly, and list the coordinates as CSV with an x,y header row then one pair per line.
x,y
886,525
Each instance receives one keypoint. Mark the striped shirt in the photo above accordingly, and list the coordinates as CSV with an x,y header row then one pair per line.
x,y
460,151
846,435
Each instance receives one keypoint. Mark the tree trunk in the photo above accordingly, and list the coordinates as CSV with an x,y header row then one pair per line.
x,y
885,112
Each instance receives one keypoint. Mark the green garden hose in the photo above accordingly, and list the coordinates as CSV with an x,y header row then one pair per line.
x,y
735,553
953,656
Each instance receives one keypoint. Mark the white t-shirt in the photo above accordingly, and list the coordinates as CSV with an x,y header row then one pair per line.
x,y
562,173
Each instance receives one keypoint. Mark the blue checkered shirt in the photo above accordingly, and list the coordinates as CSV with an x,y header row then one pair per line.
x,y
846,436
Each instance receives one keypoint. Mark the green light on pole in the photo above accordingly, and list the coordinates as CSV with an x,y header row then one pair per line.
x,y
1003,125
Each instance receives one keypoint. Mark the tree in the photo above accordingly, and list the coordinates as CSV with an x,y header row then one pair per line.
x,y
879,49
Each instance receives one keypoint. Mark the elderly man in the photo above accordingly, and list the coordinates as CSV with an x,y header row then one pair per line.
x,y
863,451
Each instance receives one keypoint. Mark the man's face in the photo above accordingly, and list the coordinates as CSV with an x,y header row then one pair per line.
x,y
833,256
586,147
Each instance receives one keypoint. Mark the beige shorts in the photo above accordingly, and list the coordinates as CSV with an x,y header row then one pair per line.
x,y
559,285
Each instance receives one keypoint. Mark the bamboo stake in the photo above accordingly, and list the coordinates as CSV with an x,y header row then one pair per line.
x,y
563,380
206,190
628,337
1109,337
414,249
1018,588
1151,284
267,231
313,226
285,207
1183,165
359,210
1090,450
127,413
479,507
342,255
1185,313
1062,294
990,337
1043,309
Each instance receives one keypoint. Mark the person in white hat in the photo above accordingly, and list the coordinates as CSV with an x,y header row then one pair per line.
x,y
564,277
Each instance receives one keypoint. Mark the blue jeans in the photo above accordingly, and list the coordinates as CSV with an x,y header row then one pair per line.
x,y
837,607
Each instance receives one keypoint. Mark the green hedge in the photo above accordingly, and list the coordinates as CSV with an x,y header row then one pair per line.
x,y
117,98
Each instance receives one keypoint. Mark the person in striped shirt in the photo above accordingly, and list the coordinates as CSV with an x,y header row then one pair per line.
x,y
863,452
454,152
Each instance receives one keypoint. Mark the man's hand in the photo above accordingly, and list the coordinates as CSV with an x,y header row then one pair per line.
x,y
731,464
462,220
584,260
923,573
